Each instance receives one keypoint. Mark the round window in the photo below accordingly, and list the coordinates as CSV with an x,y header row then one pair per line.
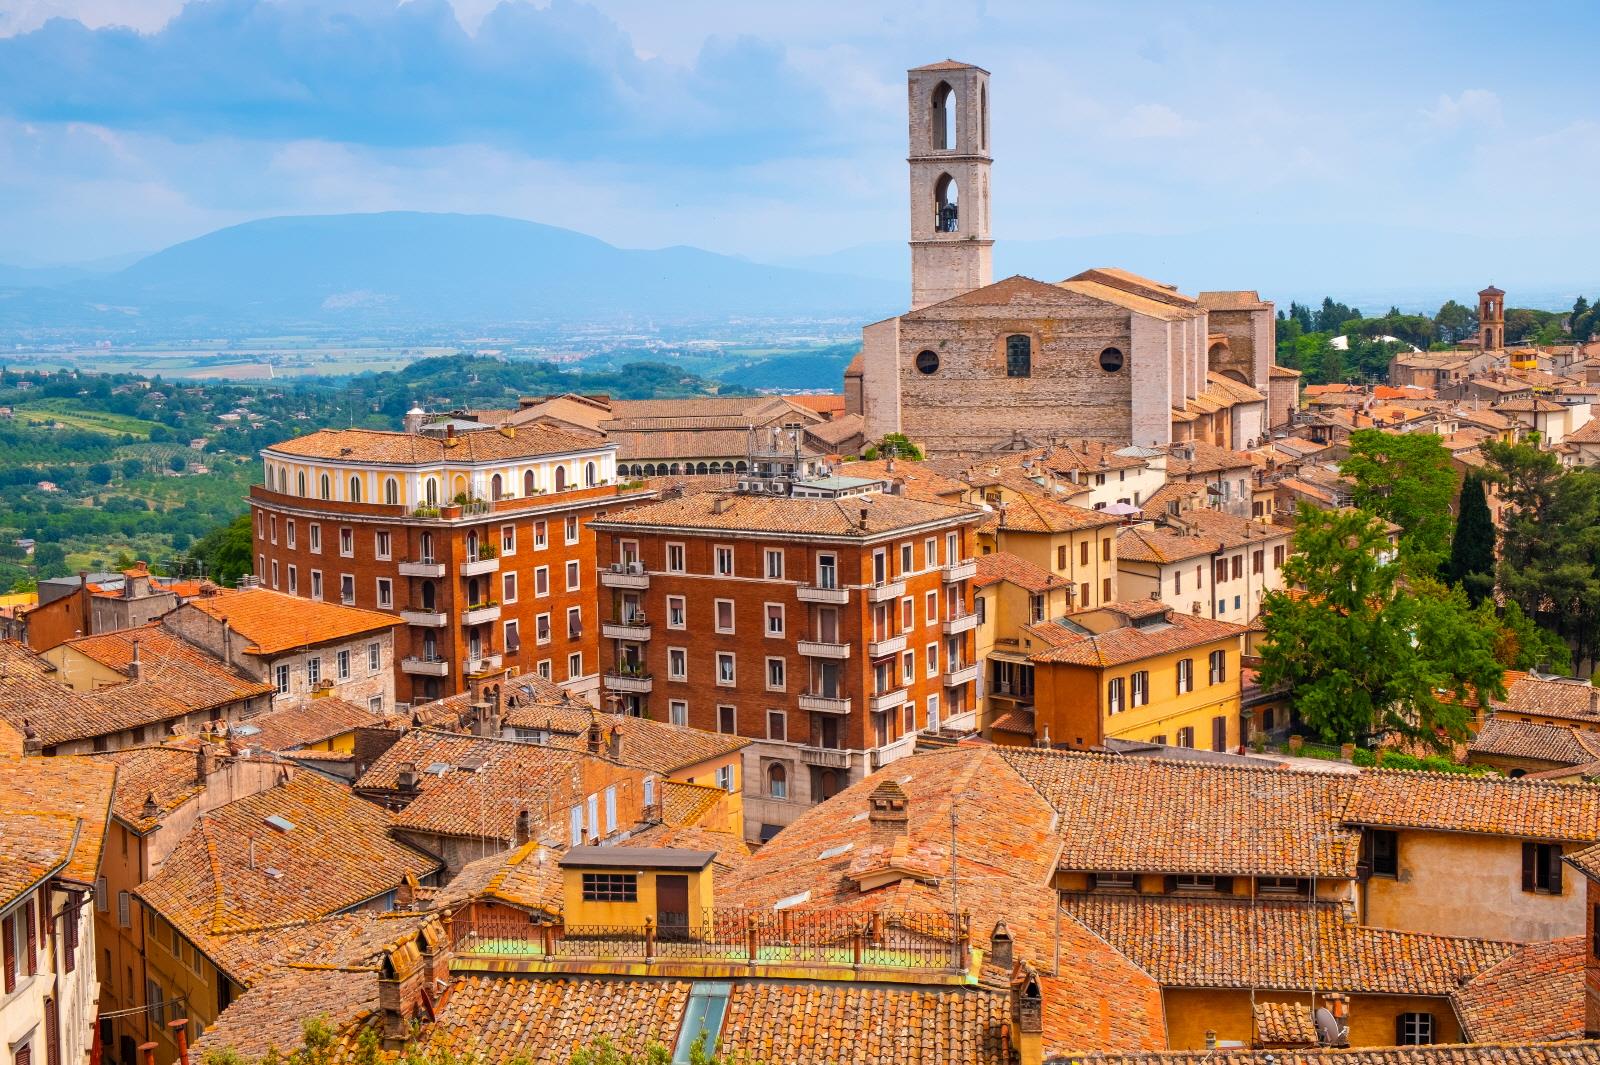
x,y
1111,360
927,362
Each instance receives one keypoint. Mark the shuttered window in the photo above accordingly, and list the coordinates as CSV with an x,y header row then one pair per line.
x,y
8,940
69,948
1541,868
31,953
52,1033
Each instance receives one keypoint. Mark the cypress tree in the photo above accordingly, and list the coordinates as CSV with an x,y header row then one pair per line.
x,y
1471,562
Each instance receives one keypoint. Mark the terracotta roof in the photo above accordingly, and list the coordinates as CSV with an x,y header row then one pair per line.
x,y
1027,512
920,480
1535,995
787,515
1162,546
1450,802
1287,1023
1230,530
1545,743
685,804
1570,699
236,873
829,403
1585,1053
166,774
1226,387
528,876
1000,566
1238,300
1129,642
54,813
1153,815
386,448
311,722
1208,458
649,744
1284,946
273,622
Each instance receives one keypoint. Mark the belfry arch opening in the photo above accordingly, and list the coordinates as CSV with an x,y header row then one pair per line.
x,y
944,116
946,205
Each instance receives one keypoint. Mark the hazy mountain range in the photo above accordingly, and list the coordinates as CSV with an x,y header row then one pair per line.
x,y
339,275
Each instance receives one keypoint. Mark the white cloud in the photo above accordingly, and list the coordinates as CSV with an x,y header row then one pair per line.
x,y
1474,107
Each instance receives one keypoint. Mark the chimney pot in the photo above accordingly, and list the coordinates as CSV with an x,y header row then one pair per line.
x,y
524,827
888,815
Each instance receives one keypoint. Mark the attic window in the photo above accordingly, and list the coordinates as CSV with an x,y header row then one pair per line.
x,y
793,900
1111,360
246,730
274,874
834,852
439,769
281,823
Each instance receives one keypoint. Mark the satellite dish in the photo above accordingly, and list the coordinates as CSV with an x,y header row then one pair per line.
x,y
1328,1031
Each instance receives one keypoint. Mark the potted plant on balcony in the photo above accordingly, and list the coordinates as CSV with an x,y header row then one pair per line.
x,y
450,511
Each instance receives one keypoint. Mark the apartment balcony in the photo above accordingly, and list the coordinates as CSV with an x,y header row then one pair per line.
x,y
425,667
903,747
824,704
426,619
475,567
486,664
959,624
882,593
954,678
634,628
822,649
630,575
426,567
480,614
816,593
825,757
961,571
638,683
889,700
889,645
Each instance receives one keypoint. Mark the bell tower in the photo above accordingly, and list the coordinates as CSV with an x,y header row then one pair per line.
x,y
1491,319
951,249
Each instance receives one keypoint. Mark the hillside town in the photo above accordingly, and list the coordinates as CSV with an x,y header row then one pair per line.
x,y
1073,684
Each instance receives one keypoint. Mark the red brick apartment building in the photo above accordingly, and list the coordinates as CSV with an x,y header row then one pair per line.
x,y
476,536
829,626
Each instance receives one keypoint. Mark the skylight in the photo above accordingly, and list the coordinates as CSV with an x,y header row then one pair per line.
x,y
793,900
834,852
281,823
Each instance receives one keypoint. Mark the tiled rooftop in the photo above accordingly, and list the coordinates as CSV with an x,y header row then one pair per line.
x,y
840,517
1000,566
53,818
1582,1053
1450,802
273,622
414,449
1535,995
311,722
1130,643
1509,737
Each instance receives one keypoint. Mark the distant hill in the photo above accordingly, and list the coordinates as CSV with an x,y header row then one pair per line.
x,y
406,270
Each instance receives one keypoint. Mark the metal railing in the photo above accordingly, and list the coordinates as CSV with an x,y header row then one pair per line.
x,y
753,937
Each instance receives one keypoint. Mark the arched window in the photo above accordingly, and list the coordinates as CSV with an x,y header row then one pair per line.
x,y
1019,355
927,362
326,486
983,119
300,484
649,469
391,491
777,781
529,483
827,783
431,492
700,468
946,205
561,478
472,546
743,466
1111,360
427,595
495,488
675,469
472,592
588,474
283,480
427,547
355,489
943,117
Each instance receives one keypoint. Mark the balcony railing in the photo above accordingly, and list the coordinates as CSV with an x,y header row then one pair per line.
x,y
764,937
889,645
825,757
481,564
954,626
964,570
484,664
822,593
425,666
822,649
633,626
479,613
883,592
629,681
422,567
887,700
961,675
425,618
625,575
824,704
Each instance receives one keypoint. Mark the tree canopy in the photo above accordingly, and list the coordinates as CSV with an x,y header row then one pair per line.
x,y
1471,563
1408,479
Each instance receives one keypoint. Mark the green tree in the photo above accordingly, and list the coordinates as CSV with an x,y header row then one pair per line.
x,y
1407,478
1362,654
100,473
1521,644
1454,322
1472,550
132,468
897,445
225,550
177,464
49,560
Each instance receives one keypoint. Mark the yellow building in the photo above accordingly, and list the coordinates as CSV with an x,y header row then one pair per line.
x,y
1009,594
1074,543
1136,671
627,886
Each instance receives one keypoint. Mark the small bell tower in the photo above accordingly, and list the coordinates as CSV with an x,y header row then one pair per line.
x,y
951,246
1491,319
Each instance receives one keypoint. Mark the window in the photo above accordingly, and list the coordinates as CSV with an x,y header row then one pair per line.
x,y
1111,360
1221,574
1139,688
1105,549
391,491
347,541
908,667
930,607
675,612
675,563
1083,552
541,536
981,608
513,637
374,656
677,663
316,537
313,671
508,587
678,712
541,628
1061,556
1219,666
1019,356
1277,557
727,719
1258,562
1383,852
272,527
1035,609
1185,675
930,660
274,573
508,539
541,581
777,726
1112,881
572,528
775,625
1114,695
1541,868
776,674
385,593
1219,734
610,887
1413,1029
382,543
906,559
294,580
1105,591
723,613
575,665
1186,736
574,576
725,668
342,664
927,362
289,532
574,622
1238,566
316,584
724,562
777,781
347,589
124,909
774,564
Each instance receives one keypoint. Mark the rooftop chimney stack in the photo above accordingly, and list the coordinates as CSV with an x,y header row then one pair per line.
x,y
203,763
406,777
31,743
1000,946
889,812
524,827
614,743
135,668
594,735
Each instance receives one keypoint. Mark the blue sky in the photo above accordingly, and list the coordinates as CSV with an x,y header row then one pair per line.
x,y
777,130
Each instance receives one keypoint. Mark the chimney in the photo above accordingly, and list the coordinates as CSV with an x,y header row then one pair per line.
x,y
406,776
524,827
1027,1018
450,430
864,512
594,733
888,815
719,504
614,744
203,763
150,811
135,668
179,1027
31,743
1211,1039
227,641
1000,946
480,719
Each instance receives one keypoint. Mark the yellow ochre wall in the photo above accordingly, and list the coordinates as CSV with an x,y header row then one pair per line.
x,y
1070,699
1191,1011
632,914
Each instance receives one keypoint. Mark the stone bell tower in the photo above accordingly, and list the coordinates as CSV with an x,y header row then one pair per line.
x,y
951,249
1491,319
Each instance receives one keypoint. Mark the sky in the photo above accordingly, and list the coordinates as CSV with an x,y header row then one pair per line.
x,y
777,130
